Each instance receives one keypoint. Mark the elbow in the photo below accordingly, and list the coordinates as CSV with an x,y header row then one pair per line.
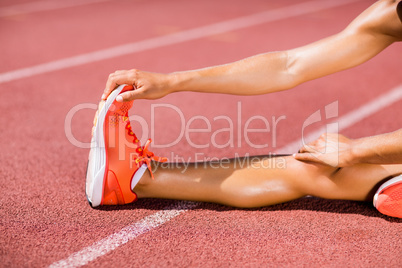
x,y
293,76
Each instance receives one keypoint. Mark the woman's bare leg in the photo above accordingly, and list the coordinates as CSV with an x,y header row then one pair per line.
x,y
261,181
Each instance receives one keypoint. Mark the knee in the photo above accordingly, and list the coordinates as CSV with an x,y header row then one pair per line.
x,y
318,180
331,186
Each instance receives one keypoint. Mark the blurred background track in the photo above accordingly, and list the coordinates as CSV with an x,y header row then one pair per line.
x,y
55,61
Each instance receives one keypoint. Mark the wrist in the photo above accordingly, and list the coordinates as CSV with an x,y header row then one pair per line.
x,y
354,153
358,151
179,81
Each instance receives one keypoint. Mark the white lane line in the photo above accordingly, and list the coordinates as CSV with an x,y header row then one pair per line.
x,y
175,38
148,223
349,119
45,5
127,234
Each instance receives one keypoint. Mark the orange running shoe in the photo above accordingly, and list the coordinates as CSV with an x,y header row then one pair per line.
x,y
116,161
388,198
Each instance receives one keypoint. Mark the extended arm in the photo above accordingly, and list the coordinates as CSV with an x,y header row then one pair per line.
x,y
337,150
370,33
381,149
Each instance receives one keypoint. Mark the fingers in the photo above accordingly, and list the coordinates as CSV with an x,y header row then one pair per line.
x,y
117,78
114,80
302,156
129,95
309,148
304,149
148,85
307,157
317,145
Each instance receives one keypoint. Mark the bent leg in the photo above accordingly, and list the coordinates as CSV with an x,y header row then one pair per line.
x,y
260,181
358,182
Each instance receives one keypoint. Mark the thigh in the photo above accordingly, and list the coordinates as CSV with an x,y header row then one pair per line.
x,y
358,182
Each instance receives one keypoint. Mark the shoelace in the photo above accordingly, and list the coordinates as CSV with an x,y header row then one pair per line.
x,y
147,156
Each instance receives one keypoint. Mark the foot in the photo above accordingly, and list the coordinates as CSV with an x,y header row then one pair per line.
x,y
116,160
388,198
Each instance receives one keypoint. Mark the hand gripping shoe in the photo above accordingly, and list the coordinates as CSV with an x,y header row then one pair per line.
x,y
388,198
116,160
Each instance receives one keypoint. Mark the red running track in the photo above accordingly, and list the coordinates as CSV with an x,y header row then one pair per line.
x,y
45,217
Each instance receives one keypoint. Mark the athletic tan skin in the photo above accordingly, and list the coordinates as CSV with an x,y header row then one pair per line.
x,y
267,181
352,171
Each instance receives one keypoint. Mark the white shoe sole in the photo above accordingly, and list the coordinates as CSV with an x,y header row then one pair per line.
x,y
97,155
385,185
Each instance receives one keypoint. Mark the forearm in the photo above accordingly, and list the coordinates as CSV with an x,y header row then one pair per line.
x,y
381,149
277,71
370,33
259,74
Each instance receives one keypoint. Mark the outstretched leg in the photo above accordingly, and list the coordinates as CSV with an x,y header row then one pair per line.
x,y
261,181
117,162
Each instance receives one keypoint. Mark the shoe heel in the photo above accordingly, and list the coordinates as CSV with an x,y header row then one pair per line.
x,y
112,194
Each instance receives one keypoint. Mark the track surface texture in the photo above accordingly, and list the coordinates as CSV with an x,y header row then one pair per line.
x,y
47,100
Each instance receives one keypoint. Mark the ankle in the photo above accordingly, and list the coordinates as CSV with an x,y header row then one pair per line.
x,y
145,180
142,188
